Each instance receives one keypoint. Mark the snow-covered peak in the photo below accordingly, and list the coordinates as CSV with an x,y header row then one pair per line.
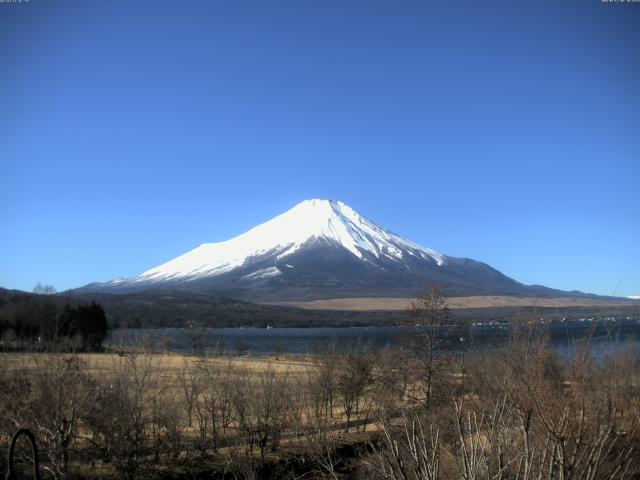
x,y
310,220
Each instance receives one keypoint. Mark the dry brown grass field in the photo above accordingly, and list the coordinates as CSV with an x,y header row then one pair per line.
x,y
488,301
169,378
168,365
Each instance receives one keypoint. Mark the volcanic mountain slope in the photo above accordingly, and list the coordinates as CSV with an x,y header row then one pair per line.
x,y
320,249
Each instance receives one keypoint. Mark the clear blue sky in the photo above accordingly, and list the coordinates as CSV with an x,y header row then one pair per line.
x,y
504,131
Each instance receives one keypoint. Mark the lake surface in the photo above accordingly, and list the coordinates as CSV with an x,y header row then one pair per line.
x,y
606,336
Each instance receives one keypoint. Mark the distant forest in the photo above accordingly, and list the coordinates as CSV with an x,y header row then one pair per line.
x,y
44,319
49,316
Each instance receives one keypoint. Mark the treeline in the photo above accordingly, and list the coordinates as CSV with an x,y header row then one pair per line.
x,y
410,413
158,309
27,320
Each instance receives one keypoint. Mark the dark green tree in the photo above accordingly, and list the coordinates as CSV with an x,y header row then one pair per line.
x,y
89,322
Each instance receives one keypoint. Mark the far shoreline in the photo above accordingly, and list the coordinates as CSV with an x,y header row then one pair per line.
x,y
363,304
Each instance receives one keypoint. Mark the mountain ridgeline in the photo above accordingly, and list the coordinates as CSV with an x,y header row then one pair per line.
x,y
317,250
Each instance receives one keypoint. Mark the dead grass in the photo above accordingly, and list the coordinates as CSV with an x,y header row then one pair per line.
x,y
101,363
378,303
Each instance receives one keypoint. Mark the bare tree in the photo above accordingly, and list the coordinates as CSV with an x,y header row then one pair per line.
x,y
410,452
391,381
324,381
60,396
566,426
189,379
354,376
430,324
44,289
311,418
198,338
119,426
261,405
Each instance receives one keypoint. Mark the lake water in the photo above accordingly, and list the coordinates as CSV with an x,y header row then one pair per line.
x,y
606,335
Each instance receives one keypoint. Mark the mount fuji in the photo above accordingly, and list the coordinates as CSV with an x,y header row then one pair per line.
x,y
320,249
